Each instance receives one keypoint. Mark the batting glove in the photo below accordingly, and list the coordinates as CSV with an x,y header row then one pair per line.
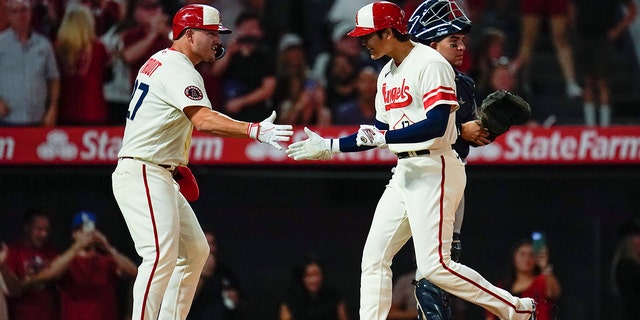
x,y
369,135
267,132
314,148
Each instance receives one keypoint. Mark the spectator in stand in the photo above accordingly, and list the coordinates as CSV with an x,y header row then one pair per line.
x,y
83,60
625,269
489,52
29,81
530,274
342,73
599,24
248,71
309,298
341,44
403,303
46,16
533,13
27,257
345,10
501,78
299,98
4,19
309,20
117,85
212,82
106,13
9,284
87,273
230,9
502,16
148,35
218,295
362,108
410,6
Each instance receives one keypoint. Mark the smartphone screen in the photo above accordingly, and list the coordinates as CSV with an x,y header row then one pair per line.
x,y
539,241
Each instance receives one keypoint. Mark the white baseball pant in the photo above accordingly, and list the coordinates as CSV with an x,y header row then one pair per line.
x,y
167,236
420,201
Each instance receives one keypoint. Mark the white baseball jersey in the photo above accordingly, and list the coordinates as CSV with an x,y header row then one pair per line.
x,y
157,129
421,198
162,224
407,92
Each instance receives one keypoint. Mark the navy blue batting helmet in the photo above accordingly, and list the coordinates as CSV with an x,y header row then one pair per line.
x,y
435,19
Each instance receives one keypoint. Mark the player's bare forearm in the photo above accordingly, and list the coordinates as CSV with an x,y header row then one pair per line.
x,y
56,269
11,281
553,288
263,92
51,115
125,265
342,311
215,123
139,49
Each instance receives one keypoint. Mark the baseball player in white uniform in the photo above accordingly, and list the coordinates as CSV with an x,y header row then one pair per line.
x,y
168,102
415,117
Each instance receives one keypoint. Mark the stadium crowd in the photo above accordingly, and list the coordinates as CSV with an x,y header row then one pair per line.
x,y
73,62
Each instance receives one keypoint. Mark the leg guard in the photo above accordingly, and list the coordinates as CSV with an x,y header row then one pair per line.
x,y
433,302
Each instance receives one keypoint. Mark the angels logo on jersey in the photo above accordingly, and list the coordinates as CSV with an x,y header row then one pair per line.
x,y
397,97
193,93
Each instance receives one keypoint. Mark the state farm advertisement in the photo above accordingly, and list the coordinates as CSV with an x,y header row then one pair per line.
x,y
519,146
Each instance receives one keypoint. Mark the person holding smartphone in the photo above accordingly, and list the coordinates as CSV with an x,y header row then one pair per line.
x,y
530,274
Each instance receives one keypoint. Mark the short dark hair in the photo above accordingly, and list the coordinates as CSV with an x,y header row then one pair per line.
x,y
32,213
400,36
247,15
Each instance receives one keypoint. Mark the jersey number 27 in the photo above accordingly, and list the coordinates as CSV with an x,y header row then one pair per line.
x,y
143,88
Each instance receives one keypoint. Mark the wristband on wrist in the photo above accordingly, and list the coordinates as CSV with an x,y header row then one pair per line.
x,y
334,145
253,129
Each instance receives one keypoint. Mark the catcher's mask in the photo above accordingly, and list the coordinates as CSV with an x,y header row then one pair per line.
x,y
435,19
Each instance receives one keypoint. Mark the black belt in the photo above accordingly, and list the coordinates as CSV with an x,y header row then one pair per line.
x,y
409,154
166,166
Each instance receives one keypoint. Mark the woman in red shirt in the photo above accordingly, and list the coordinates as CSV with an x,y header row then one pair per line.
x,y
531,275
83,60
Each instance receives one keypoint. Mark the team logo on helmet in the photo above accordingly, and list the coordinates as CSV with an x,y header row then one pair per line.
x,y
193,93
437,18
377,16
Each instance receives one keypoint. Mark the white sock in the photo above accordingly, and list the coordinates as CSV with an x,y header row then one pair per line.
x,y
589,114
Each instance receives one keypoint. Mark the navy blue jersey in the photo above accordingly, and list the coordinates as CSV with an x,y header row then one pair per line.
x,y
465,90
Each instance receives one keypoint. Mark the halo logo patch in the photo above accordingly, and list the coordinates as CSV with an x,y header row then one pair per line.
x,y
193,93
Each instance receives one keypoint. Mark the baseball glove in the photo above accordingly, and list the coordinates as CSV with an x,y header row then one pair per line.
x,y
502,109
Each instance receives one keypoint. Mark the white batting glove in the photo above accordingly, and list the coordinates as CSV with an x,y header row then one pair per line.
x,y
314,148
369,135
267,132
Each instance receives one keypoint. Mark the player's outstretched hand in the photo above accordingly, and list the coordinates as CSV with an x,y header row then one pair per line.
x,y
369,135
268,132
314,148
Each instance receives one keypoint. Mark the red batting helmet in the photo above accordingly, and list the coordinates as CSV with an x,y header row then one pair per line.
x,y
198,16
377,16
